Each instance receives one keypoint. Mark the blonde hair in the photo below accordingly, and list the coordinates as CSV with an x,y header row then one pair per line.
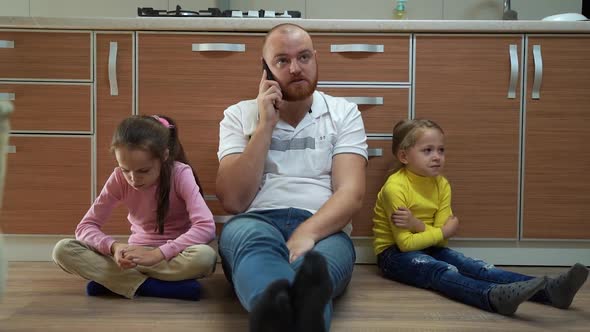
x,y
405,135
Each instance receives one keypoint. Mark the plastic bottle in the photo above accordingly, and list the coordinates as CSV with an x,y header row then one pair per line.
x,y
399,12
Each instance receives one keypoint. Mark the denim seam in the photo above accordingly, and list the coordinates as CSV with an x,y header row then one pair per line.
x,y
485,293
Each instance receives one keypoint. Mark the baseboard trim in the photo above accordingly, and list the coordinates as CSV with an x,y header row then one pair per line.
x,y
533,253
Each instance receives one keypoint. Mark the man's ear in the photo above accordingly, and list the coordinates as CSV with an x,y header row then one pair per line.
x,y
402,156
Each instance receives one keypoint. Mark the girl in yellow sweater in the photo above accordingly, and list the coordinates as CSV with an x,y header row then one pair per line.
x,y
413,221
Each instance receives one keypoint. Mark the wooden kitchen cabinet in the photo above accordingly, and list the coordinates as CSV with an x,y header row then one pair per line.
x,y
361,62
193,78
195,87
363,58
462,82
556,153
35,55
48,184
48,76
49,107
380,108
114,102
378,169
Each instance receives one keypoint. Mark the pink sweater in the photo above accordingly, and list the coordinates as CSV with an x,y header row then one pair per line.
x,y
189,220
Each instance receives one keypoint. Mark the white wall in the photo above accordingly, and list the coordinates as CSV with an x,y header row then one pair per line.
x,y
102,8
14,8
417,9
535,9
314,9
474,9
96,8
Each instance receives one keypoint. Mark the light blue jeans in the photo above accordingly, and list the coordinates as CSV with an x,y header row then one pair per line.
x,y
253,250
449,272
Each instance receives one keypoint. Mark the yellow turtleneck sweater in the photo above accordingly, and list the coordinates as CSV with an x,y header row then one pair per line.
x,y
429,200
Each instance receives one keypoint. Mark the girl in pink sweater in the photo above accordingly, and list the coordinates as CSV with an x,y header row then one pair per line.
x,y
170,222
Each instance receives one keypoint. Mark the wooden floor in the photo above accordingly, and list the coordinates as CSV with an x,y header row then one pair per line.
x,y
41,297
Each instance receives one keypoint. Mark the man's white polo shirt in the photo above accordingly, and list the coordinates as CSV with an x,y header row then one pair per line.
x,y
298,168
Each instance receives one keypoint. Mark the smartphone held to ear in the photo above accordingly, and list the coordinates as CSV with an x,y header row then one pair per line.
x,y
269,75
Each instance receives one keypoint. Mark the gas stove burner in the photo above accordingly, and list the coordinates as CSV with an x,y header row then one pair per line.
x,y
216,12
179,12
262,13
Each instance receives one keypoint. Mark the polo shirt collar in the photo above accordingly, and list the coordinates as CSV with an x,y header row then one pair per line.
x,y
318,105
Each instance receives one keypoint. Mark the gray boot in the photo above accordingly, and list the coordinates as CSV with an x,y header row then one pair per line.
x,y
505,298
562,289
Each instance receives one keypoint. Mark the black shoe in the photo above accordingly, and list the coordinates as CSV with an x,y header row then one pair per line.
x,y
310,293
273,312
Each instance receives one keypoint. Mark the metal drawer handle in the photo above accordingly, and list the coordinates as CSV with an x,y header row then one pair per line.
x,y
113,69
365,100
357,48
538,59
216,47
7,96
210,197
10,149
6,43
375,152
513,71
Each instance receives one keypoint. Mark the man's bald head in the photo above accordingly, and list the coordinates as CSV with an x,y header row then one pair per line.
x,y
285,30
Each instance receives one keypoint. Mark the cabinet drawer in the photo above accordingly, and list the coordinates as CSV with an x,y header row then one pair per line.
x,y
381,108
363,58
45,55
48,184
380,163
49,107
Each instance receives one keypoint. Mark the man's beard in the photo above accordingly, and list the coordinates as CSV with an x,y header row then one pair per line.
x,y
300,92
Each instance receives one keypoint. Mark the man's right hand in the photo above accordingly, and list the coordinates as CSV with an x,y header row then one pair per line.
x,y
118,252
269,99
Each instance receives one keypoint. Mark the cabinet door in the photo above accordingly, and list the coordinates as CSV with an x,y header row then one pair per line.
x,y
114,102
194,78
557,154
462,83
48,184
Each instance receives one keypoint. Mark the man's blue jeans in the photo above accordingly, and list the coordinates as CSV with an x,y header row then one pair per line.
x,y
253,250
449,272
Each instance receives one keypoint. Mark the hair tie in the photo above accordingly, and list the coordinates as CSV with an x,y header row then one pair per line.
x,y
163,121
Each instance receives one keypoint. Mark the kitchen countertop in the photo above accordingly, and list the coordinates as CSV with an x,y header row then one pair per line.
x,y
263,25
